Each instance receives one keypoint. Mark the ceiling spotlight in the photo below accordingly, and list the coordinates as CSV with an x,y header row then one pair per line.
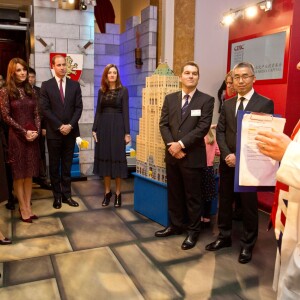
x,y
228,19
245,11
71,1
251,11
266,5
269,5
82,6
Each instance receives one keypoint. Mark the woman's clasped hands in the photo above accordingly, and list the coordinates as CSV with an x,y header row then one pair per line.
x,y
31,135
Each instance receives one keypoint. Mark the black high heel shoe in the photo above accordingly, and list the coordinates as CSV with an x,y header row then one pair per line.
x,y
118,200
106,199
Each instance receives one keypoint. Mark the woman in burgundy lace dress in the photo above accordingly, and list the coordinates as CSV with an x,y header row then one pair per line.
x,y
20,111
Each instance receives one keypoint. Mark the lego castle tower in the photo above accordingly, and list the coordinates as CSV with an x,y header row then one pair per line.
x,y
150,148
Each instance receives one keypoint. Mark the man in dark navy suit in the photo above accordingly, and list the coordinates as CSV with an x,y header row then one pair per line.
x,y
246,99
185,120
62,107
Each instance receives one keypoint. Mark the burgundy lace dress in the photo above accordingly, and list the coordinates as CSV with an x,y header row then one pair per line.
x,y
21,115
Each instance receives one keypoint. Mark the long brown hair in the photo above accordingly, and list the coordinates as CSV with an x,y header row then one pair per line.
x,y
11,81
104,81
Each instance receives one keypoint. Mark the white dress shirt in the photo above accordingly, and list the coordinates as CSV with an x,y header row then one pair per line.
x,y
63,83
245,101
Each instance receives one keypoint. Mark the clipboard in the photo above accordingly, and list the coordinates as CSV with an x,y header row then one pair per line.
x,y
237,187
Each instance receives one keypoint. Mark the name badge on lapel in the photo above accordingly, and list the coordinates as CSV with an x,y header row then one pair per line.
x,y
195,112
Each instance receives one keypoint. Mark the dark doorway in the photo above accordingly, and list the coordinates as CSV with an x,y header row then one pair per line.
x,y
12,44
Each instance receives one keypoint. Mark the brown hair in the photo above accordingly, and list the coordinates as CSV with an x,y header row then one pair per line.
x,y
11,81
55,57
104,81
190,63
229,74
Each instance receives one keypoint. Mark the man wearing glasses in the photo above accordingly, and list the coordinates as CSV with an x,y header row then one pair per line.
x,y
246,99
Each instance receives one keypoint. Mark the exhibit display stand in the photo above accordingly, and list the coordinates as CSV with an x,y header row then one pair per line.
x,y
151,199
150,188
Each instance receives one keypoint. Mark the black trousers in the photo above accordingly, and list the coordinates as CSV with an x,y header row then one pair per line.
x,y
10,184
3,182
43,167
60,162
249,206
185,203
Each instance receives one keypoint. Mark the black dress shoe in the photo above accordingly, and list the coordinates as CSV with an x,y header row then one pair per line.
x,y
245,255
168,231
218,244
45,185
118,200
10,206
106,199
5,241
190,241
57,203
70,201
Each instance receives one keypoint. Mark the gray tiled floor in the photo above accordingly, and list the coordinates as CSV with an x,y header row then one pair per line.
x,y
91,252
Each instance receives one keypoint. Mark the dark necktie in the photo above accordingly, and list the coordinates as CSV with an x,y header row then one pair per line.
x,y
61,91
241,106
185,105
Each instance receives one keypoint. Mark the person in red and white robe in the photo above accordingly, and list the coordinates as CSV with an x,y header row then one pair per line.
x,y
286,211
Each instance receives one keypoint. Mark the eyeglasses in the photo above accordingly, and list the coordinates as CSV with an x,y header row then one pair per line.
x,y
229,82
244,77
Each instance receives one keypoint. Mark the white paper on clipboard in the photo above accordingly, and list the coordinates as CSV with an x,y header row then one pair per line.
x,y
257,169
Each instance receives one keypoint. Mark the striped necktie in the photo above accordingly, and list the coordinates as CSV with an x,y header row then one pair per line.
x,y
185,105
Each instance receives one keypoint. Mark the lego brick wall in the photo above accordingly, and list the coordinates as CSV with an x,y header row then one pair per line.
x,y
119,49
66,29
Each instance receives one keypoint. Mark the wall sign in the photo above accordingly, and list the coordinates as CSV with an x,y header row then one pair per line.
x,y
268,52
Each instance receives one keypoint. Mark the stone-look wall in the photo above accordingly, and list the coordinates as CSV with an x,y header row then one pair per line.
x,y
133,78
118,49
107,51
67,29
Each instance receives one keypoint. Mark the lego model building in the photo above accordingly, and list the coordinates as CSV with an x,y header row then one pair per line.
x,y
150,148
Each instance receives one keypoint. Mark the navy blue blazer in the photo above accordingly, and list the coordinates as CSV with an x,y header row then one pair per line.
x,y
191,129
57,112
227,127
